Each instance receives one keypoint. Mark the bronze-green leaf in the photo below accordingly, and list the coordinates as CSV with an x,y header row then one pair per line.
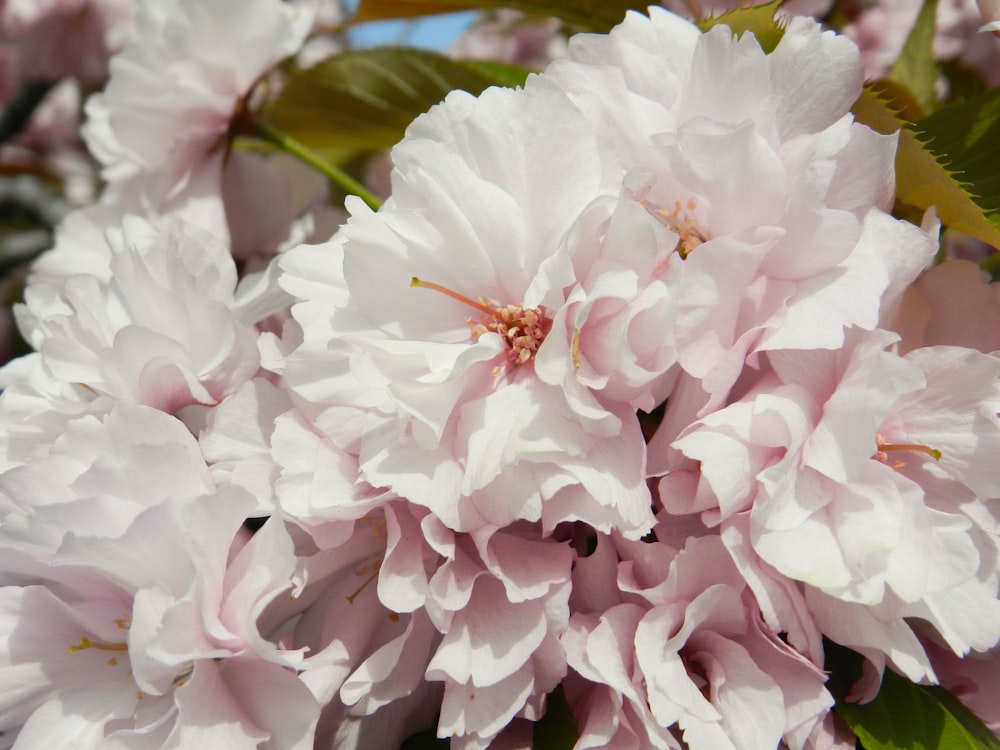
x,y
915,69
758,19
965,137
926,173
595,15
363,100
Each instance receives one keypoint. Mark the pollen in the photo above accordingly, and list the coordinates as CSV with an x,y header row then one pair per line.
x,y
523,329
681,221
883,448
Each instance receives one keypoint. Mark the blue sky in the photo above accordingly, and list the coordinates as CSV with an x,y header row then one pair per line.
x,y
434,32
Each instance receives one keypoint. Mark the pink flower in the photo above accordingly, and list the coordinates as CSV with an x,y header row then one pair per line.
x,y
525,412
862,472
177,84
91,470
882,28
499,600
774,194
683,651
160,326
65,38
510,36
151,638
952,304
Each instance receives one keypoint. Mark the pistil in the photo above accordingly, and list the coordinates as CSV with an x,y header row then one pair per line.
x,y
883,449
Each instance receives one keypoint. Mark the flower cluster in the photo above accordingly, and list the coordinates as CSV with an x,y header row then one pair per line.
x,y
632,392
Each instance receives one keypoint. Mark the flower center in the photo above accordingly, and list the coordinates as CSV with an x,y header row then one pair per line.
x,y
883,448
680,221
523,329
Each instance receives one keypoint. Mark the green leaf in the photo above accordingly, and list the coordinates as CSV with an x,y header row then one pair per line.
x,y
905,716
758,19
972,723
595,15
363,100
965,137
501,73
926,174
963,82
557,729
915,69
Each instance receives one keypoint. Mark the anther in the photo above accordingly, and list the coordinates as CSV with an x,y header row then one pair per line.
x,y
522,329
681,222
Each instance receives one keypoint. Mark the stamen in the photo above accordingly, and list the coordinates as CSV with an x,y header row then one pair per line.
x,y
681,222
85,643
575,349
181,679
522,329
375,523
360,571
883,449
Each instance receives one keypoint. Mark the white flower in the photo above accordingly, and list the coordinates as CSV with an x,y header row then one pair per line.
x,y
159,327
177,84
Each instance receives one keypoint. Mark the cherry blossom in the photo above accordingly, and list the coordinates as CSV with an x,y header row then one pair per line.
x,y
57,38
859,469
681,644
474,395
176,86
159,326
632,394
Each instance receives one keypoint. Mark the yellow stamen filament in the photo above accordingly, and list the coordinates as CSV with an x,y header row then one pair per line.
x,y
575,349
522,329
85,643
